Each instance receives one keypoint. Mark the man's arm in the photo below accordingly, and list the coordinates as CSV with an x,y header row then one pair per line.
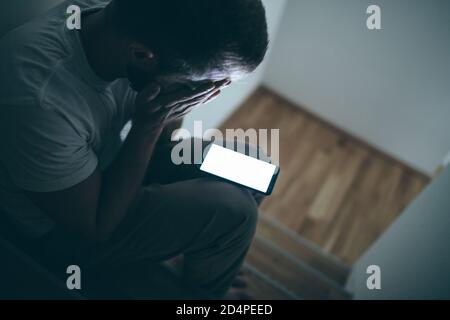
x,y
166,134
95,207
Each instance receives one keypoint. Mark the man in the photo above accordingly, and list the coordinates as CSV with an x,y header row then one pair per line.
x,y
69,182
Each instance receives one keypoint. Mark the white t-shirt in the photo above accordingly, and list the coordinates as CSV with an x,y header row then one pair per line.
x,y
58,119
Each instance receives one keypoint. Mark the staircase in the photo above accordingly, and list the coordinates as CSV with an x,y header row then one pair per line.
x,y
290,267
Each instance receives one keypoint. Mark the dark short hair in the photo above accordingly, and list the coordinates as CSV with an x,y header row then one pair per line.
x,y
197,35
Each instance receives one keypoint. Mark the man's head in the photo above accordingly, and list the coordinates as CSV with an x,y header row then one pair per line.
x,y
188,41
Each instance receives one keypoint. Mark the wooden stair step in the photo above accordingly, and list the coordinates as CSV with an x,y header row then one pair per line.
x,y
261,287
302,249
291,273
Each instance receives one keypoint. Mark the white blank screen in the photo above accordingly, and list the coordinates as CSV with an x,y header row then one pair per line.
x,y
238,168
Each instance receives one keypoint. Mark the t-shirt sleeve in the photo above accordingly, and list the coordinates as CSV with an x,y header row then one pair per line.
x,y
42,151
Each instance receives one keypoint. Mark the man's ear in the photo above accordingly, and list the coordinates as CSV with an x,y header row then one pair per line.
x,y
141,56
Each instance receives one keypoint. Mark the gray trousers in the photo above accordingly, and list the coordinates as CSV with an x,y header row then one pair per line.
x,y
179,211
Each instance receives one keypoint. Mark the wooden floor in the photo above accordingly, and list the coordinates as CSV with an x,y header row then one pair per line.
x,y
333,189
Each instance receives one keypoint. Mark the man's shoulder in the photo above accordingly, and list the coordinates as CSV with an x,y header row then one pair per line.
x,y
29,55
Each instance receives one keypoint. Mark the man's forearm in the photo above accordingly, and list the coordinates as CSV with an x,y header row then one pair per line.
x,y
166,134
122,180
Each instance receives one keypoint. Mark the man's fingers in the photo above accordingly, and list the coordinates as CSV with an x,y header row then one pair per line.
x,y
192,102
179,103
212,97
185,95
182,111
177,109
197,101
223,83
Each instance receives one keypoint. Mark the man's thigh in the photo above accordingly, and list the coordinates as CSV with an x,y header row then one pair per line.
x,y
179,218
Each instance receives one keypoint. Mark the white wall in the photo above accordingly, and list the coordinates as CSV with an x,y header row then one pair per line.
x,y
389,87
413,254
216,112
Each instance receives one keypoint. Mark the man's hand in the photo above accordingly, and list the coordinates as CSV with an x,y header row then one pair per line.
x,y
154,110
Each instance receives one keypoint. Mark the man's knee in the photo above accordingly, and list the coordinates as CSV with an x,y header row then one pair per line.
x,y
234,207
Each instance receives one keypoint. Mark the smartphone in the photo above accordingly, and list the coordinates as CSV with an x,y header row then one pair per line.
x,y
240,169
